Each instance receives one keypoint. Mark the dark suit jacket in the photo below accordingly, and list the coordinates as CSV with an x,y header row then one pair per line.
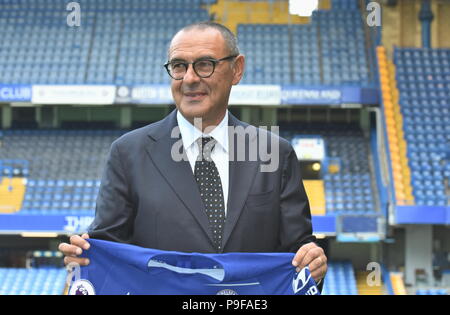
x,y
148,199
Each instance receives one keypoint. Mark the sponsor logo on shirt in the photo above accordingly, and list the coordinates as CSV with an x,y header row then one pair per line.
x,y
300,280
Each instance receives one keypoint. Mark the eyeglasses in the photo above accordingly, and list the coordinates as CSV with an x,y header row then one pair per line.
x,y
204,68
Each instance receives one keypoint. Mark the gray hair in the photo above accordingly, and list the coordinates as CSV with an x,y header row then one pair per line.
x,y
230,39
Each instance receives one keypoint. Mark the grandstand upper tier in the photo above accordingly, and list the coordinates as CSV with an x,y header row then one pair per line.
x,y
77,154
125,42
423,80
340,279
36,281
64,167
351,190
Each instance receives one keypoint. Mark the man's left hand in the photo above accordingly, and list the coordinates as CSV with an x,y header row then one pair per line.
x,y
313,256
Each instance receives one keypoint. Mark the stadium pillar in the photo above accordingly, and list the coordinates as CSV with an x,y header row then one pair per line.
x,y
426,17
251,115
125,117
419,254
364,119
38,115
269,117
6,117
56,123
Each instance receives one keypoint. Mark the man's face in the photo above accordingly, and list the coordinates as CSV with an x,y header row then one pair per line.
x,y
197,97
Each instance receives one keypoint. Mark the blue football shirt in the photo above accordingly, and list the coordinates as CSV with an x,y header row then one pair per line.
x,y
126,269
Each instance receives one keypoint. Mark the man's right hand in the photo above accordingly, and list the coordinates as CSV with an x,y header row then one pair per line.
x,y
74,249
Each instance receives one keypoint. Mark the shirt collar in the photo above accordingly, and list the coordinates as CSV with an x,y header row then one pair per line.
x,y
190,134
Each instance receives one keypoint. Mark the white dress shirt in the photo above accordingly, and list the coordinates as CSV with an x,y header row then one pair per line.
x,y
219,154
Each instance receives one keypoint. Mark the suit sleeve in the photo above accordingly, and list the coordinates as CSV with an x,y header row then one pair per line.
x,y
114,213
296,226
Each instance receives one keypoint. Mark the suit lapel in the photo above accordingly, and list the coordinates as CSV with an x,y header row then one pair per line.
x,y
178,174
241,175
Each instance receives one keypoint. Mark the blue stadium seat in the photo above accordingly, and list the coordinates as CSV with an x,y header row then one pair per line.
x,y
39,281
340,279
425,108
46,193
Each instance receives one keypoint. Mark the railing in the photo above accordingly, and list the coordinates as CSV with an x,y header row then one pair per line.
x,y
386,147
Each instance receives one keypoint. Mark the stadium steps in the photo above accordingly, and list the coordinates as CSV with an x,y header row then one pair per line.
x,y
398,286
232,13
32,281
364,288
12,193
340,279
423,79
394,126
315,190
325,5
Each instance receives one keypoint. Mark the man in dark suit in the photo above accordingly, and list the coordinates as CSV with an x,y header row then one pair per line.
x,y
191,182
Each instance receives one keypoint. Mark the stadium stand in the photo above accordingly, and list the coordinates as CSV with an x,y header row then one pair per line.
x,y
417,119
394,130
123,43
267,50
144,42
78,154
342,46
32,30
305,55
423,77
432,292
349,191
81,155
60,197
32,281
119,42
398,284
340,279
290,54
364,288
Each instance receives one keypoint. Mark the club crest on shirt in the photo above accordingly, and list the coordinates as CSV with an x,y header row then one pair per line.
x,y
82,287
227,292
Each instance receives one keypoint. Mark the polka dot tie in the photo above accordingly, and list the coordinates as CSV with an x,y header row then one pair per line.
x,y
210,186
